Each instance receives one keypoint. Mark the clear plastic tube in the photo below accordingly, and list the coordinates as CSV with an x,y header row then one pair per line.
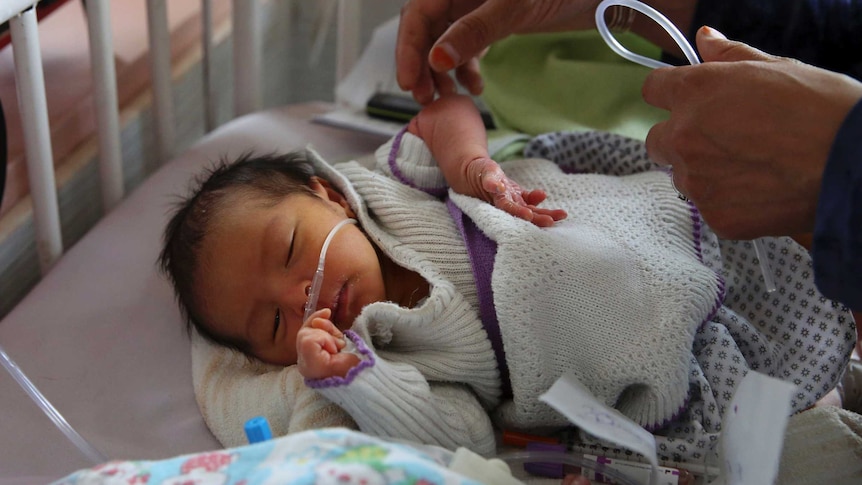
x,y
570,459
652,13
317,280
760,252
691,55
84,446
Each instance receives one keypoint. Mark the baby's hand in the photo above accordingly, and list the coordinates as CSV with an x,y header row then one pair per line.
x,y
318,348
487,181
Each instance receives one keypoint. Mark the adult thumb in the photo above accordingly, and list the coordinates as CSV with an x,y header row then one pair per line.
x,y
471,34
714,46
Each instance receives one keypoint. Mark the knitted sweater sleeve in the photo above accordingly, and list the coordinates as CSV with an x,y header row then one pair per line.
x,y
824,33
395,400
837,251
407,159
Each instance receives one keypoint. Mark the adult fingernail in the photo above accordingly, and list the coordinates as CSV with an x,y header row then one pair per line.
x,y
710,32
444,58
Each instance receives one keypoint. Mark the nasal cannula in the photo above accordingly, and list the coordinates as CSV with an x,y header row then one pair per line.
x,y
691,55
317,280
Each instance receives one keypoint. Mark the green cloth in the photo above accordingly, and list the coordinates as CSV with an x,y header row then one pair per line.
x,y
540,83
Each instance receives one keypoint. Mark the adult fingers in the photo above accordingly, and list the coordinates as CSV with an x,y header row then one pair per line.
x,y
658,145
420,24
423,88
469,35
443,83
660,86
715,47
469,76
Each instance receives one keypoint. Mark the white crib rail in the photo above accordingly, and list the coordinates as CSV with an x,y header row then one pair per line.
x,y
246,57
210,96
32,101
33,104
160,72
37,135
105,98
11,8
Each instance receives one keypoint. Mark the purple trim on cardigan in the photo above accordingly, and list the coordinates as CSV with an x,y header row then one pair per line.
x,y
652,428
697,224
697,229
337,381
399,175
697,233
482,251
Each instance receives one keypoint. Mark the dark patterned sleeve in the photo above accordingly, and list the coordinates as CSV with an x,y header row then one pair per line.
x,y
824,33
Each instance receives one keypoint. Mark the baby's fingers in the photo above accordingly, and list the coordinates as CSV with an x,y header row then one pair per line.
x,y
327,326
324,313
312,340
513,206
493,179
539,216
534,197
547,216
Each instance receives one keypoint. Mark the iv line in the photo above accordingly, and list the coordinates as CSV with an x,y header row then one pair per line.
x,y
691,55
84,446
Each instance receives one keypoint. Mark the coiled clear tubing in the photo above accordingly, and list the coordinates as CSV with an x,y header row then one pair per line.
x,y
691,55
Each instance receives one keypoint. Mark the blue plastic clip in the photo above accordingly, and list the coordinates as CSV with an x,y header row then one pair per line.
x,y
257,430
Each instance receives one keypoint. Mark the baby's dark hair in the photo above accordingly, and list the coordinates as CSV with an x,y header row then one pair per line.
x,y
266,179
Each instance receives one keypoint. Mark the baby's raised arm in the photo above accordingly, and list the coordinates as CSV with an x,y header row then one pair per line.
x,y
452,128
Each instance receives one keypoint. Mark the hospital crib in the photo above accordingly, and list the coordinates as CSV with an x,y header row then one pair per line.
x,y
100,335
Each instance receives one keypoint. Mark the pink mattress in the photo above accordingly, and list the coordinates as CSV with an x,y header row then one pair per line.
x,y
101,335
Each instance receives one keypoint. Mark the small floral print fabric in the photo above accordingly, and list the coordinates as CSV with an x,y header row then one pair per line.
x,y
325,456
792,333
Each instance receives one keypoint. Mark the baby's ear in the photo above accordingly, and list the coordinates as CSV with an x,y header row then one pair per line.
x,y
326,191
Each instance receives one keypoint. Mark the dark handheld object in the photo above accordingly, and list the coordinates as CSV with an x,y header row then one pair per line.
x,y
395,107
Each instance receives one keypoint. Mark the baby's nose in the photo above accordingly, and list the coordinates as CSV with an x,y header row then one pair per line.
x,y
307,290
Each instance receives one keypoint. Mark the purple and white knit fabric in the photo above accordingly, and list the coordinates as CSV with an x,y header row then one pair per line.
x,y
792,333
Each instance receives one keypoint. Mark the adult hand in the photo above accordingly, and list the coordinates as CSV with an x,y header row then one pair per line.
x,y
318,348
436,36
748,135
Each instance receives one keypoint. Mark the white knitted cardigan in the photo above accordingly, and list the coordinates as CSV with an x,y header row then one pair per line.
x,y
612,294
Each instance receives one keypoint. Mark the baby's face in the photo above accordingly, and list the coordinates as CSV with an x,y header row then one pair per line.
x,y
258,263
